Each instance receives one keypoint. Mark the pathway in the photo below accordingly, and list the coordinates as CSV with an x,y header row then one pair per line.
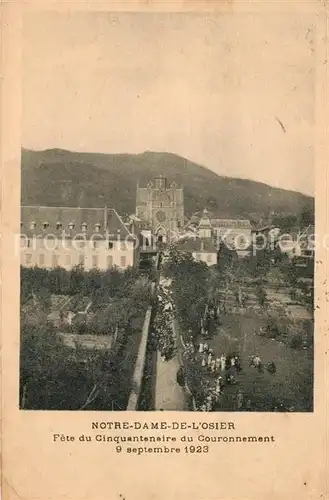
x,y
168,394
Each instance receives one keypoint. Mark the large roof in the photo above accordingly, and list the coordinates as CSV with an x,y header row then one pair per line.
x,y
199,245
42,221
231,223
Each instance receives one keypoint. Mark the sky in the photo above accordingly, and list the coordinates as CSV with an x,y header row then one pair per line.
x,y
232,93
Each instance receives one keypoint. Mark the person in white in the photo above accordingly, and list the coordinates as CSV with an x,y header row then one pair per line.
x,y
201,348
223,362
239,399
257,361
218,385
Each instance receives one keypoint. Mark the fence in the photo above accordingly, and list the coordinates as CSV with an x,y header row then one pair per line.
x,y
142,393
138,376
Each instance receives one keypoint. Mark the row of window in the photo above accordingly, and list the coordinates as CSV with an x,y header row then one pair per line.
x,y
60,225
232,231
163,204
120,245
236,224
67,261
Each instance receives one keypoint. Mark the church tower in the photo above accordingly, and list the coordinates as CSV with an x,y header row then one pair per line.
x,y
162,206
160,183
205,227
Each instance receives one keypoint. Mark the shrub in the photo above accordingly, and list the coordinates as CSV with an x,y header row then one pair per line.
x,y
79,324
296,341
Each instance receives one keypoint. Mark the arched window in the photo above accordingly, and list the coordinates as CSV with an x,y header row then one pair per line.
x,y
45,225
84,227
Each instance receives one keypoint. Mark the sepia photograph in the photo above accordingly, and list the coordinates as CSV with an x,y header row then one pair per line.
x,y
167,233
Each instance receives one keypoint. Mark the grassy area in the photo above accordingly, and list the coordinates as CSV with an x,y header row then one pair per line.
x,y
291,385
251,301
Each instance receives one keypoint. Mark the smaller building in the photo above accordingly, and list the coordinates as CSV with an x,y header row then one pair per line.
x,y
298,243
205,229
235,232
202,250
305,243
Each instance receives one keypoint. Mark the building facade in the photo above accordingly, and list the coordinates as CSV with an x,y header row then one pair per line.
x,y
299,243
202,250
162,207
235,233
67,237
205,229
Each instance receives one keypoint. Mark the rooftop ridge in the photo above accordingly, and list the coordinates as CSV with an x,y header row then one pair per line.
x,y
120,219
57,207
82,213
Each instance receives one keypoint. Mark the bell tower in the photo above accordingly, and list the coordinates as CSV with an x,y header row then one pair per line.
x,y
161,205
160,183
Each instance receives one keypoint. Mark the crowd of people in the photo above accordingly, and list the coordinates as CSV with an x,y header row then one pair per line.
x,y
162,325
220,369
220,372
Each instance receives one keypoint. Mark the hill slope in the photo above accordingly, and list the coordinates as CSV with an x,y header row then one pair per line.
x,y
58,177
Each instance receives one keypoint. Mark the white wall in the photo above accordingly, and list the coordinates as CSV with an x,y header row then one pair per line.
x,y
209,258
66,254
234,236
204,233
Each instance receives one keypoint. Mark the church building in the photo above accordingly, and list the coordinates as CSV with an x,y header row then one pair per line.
x,y
162,206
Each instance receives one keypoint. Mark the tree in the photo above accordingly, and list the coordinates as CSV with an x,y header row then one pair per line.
x,y
190,284
44,297
77,281
261,295
54,376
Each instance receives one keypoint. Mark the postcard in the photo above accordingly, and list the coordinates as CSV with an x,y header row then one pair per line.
x,y
164,250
